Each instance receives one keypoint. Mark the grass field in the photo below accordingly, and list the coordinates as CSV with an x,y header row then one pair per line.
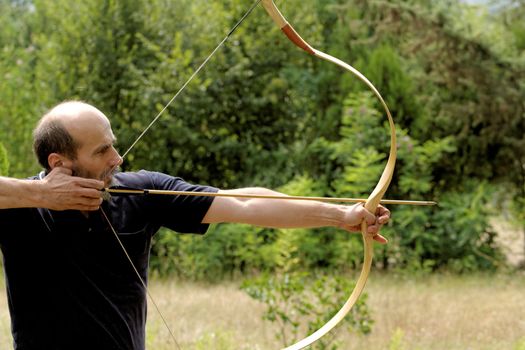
x,y
437,312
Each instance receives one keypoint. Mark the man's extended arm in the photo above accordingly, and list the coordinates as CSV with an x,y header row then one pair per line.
x,y
58,191
293,214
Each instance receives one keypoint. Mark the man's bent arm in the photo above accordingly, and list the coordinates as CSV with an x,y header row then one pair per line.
x,y
58,191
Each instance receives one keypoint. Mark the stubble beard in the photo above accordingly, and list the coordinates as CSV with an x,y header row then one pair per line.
x,y
108,176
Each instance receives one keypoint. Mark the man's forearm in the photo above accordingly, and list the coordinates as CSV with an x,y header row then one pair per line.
x,y
16,193
276,213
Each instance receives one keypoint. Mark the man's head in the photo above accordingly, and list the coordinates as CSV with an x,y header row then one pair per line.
x,y
77,136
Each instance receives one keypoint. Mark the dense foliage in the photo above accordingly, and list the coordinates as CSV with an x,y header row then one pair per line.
x,y
4,161
263,113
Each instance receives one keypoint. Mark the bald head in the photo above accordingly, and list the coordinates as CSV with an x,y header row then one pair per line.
x,y
61,130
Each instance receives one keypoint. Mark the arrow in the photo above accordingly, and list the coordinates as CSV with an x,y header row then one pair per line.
x,y
108,192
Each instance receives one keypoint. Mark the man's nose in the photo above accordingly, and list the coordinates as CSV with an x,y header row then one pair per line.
x,y
116,160
119,160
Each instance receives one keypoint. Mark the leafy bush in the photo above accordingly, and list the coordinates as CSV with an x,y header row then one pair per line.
x,y
455,235
299,301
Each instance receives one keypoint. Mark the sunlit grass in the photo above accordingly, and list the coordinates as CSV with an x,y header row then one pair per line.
x,y
437,312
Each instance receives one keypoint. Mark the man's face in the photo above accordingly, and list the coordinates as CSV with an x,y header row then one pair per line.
x,y
97,157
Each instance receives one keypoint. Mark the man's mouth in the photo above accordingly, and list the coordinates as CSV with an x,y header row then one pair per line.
x,y
107,176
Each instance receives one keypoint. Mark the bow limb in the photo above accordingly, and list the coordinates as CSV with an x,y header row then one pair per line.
x,y
375,197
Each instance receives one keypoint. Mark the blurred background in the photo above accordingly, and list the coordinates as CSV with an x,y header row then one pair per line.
x,y
262,113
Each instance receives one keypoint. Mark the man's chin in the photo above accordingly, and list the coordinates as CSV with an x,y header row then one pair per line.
x,y
110,181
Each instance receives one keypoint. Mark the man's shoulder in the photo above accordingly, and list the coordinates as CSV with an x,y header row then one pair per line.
x,y
142,179
139,178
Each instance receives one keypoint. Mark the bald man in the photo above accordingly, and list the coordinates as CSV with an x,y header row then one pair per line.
x,y
69,283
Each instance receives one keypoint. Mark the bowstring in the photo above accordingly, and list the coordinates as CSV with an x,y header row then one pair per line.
x,y
201,66
254,5
144,285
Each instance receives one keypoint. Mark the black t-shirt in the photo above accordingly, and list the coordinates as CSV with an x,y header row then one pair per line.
x,y
69,284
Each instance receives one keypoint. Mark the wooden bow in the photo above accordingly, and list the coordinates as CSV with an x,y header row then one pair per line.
x,y
371,203
377,194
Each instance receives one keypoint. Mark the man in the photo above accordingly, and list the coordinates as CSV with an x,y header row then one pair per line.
x,y
69,283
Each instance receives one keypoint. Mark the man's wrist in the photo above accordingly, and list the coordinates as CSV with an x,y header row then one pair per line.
x,y
332,215
36,190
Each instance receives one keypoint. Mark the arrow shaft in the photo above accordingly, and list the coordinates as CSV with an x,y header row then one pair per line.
x,y
115,191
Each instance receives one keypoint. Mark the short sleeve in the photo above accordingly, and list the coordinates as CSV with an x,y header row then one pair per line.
x,y
177,212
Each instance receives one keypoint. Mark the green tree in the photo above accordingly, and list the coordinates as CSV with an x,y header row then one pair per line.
x,y
264,113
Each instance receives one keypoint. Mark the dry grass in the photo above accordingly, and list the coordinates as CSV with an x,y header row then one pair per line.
x,y
444,312
438,312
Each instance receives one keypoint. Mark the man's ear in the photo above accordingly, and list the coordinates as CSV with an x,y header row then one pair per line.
x,y
57,160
